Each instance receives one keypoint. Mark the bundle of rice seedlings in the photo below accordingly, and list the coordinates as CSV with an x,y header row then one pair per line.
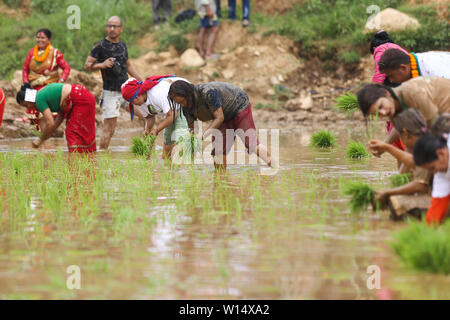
x,y
424,247
361,195
398,180
323,139
356,150
143,146
347,103
190,144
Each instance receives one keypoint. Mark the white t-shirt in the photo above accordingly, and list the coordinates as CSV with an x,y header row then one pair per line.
x,y
434,63
441,180
157,101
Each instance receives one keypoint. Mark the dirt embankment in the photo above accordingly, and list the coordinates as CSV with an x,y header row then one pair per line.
x,y
248,59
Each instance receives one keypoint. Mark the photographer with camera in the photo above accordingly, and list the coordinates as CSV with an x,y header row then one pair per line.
x,y
110,55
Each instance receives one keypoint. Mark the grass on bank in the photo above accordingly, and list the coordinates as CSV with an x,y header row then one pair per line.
x,y
424,247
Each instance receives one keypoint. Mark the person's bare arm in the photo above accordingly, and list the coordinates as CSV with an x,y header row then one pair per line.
x,y
132,71
209,12
92,65
409,188
218,120
48,129
149,123
378,147
168,120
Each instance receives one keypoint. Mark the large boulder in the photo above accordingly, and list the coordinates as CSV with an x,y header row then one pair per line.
x,y
391,20
303,102
192,59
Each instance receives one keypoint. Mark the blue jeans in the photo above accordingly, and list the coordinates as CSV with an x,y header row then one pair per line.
x,y
245,9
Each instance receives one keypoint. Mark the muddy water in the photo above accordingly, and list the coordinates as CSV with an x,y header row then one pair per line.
x,y
317,249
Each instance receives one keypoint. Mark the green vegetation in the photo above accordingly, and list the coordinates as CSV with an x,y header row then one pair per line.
x,y
143,146
362,195
347,103
268,106
323,139
331,30
398,180
190,145
356,150
424,247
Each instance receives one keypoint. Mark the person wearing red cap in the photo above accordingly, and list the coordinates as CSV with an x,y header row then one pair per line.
x,y
149,98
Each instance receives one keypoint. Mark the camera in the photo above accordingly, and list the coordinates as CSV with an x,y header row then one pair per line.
x,y
117,68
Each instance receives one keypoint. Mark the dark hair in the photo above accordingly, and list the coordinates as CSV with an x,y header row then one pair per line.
x,y
45,31
412,121
380,38
368,95
442,124
392,59
182,89
425,148
20,97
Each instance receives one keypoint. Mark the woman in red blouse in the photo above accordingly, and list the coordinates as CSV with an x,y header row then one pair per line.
x,y
43,61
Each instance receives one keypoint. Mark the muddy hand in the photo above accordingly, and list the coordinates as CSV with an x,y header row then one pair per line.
x,y
376,147
36,143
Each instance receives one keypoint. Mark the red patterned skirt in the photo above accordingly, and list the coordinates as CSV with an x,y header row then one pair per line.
x,y
80,129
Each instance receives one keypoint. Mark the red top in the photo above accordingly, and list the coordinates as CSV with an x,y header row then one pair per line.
x,y
54,64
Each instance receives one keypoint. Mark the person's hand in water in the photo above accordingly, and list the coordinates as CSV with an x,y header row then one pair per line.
x,y
36,143
382,197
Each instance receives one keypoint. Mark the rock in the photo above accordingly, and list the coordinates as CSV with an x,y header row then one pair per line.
x,y
170,62
274,81
151,57
165,55
391,20
304,102
191,58
228,74
17,80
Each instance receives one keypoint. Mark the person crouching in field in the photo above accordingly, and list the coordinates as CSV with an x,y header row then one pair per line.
x,y
228,107
149,98
429,95
72,102
414,195
432,152
399,66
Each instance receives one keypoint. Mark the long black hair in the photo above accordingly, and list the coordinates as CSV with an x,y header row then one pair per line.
x,y
368,95
20,97
183,89
380,38
426,147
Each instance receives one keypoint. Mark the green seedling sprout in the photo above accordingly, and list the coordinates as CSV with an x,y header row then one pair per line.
x,y
356,150
323,139
143,146
398,180
347,103
362,195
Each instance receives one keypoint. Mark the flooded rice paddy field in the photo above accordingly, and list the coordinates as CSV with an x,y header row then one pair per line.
x,y
139,229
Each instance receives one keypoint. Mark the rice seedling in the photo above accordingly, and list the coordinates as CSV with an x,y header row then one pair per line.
x,y
190,145
362,195
356,150
323,139
398,180
143,146
424,247
347,103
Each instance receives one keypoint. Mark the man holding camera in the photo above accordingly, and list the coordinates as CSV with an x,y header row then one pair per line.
x,y
110,55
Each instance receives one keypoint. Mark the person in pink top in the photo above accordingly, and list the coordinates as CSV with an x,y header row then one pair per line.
x,y
380,43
